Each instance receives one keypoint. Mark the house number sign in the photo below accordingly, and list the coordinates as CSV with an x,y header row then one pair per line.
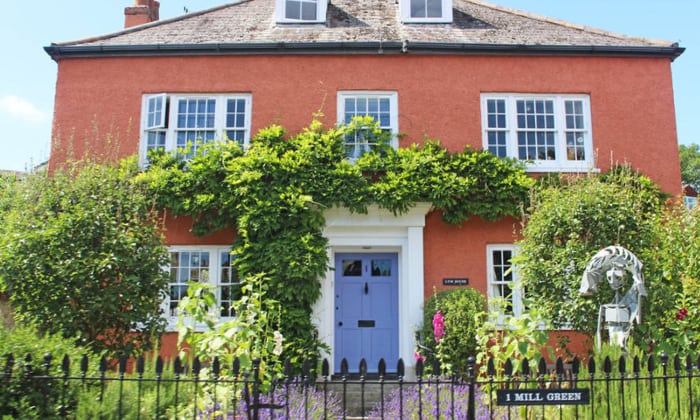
x,y
455,281
543,396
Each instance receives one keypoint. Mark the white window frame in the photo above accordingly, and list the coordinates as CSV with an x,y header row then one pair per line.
x,y
392,96
156,123
561,163
406,17
493,282
690,202
281,12
214,278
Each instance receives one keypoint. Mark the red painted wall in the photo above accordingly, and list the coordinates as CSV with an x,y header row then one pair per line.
x,y
98,110
632,106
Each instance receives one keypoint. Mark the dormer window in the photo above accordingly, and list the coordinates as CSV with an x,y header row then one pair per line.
x,y
301,11
426,11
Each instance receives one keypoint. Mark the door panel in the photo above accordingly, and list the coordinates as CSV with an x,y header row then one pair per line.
x,y
366,309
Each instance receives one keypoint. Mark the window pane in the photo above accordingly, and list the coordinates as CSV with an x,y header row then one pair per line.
x,y
308,11
384,105
497,143
575,148
361,106
373,105
434,8
350,105
352,268
418,9
384,121
155,140
381,268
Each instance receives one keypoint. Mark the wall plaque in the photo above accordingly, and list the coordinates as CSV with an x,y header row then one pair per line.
x,y
462,281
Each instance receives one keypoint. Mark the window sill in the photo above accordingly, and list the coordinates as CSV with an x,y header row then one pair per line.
x,y
547,167
171,326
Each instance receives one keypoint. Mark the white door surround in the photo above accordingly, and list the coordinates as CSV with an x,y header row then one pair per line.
x,y
378,231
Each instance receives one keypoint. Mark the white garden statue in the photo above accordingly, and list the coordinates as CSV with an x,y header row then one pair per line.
x,y
614,263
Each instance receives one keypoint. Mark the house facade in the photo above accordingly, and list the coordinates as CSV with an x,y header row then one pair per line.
x,y
562,97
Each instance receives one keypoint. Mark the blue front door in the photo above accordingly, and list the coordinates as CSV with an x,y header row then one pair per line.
x,y
366,310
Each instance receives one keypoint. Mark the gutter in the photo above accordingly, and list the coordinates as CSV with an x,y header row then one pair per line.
x,y
58,52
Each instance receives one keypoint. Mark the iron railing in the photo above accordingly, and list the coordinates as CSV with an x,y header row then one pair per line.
x,y
655,387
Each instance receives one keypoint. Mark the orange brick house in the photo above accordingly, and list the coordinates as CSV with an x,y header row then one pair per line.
x,y
565,98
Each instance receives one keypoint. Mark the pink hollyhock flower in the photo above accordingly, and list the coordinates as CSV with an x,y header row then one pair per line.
x,y
681,314
438,326
418,357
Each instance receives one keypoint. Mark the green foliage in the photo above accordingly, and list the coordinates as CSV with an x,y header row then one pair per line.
x,y
567,224
673,322
461,185
29,398
690,164
81,255
459,309
276,191
252,334
503,337
8,186
138,396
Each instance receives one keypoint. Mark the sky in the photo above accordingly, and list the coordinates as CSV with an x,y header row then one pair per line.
x,y
28,75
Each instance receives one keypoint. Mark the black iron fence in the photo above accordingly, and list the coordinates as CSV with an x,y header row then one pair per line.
x,y
656,387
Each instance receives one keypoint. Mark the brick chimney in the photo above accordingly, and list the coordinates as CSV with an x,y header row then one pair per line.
x,y
143,11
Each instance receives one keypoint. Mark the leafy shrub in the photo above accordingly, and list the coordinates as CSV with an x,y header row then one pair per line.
x,y
81,254
458,309
672,321
502,337
567,224
148,397
251,335
24,397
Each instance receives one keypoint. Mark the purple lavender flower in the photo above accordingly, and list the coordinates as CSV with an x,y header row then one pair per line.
x,y
290,401
441,400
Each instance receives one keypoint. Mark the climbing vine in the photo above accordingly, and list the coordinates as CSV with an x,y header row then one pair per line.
x,y
276,191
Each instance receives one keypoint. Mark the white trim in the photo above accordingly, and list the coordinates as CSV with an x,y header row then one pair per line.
x,y
281,15
561,163
377,231
405,6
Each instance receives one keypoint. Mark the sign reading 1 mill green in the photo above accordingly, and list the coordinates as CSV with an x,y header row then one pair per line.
x,y
542,396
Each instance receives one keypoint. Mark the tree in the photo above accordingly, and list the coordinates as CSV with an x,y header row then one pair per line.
x,y
81,255
568,223
690,164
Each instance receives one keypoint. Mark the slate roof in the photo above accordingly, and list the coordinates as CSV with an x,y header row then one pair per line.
x,y
248,26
